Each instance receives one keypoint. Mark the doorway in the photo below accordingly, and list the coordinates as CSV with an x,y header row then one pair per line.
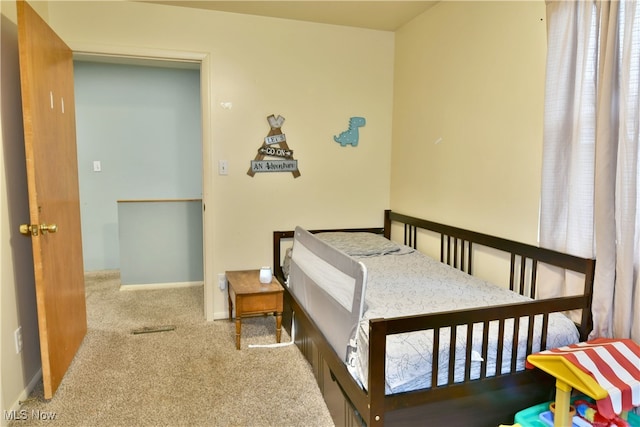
x,y
186,186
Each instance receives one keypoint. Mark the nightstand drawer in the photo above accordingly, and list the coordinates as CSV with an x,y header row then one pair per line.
x,y
258,303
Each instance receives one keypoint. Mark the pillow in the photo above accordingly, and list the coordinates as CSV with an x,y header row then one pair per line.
x,y
359,243
286,264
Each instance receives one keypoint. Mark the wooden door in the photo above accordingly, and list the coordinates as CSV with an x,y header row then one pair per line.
x,y
48,108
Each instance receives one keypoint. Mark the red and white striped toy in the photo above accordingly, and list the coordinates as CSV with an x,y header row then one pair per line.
x,y
614,364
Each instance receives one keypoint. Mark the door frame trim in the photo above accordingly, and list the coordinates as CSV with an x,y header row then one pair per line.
x,y
130,54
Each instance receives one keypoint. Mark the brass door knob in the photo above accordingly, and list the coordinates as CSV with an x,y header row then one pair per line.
x,y
51,228
29,229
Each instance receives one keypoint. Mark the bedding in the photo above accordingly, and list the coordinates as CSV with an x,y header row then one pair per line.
x,y
357,244
413,283
488,400
401,281
360,244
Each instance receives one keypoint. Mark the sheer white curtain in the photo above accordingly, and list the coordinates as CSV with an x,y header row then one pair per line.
x,y
591,174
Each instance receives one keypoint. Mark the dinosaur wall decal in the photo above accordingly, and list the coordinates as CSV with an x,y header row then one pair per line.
x,y
351,135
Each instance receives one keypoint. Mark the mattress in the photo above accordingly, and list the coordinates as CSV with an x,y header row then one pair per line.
x,y
402,281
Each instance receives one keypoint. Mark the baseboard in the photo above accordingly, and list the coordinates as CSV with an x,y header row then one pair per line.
x,y
102,275
221,315
152,286
24,395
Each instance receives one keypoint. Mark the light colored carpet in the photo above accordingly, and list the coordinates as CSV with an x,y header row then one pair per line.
x,y
191,376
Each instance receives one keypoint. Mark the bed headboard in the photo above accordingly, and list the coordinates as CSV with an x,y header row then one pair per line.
x,y
330,286
457,248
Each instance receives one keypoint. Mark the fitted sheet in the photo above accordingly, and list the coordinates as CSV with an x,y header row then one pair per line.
x,y
407,282
402,281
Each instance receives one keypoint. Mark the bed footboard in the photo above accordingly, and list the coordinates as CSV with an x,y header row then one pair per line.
x,y
380,329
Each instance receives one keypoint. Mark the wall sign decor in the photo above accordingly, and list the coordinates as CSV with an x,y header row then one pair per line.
x,y
274,145
351,135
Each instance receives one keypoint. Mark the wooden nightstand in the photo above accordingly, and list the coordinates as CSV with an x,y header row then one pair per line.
x,y
250,297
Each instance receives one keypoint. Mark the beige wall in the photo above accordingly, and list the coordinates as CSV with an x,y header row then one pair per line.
x,y
17,292
468,110
316,76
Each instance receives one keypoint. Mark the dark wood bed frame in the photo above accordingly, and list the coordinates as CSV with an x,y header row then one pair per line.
x,y
484,402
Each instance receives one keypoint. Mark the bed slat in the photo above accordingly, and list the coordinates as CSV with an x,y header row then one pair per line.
x,y
467,365
500,348
411,236
523,274
545,324
434,356
534,276
456,253
514,343
530,334
485,348
452,354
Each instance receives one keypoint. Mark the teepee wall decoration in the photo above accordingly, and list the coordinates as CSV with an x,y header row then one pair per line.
x,y
274,145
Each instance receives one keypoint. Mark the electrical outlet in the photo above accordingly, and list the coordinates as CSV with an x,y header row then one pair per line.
x,y
17,336
222,281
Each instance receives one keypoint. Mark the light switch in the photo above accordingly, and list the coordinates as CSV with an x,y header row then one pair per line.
x,y
223,167
97,167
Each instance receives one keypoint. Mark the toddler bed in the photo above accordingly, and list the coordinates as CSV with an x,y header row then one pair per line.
x,y
381,323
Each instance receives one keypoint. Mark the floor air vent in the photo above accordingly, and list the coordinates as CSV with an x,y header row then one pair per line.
x,y
153,329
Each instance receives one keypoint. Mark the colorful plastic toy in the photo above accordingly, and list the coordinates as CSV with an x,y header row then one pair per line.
x,y
589,412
